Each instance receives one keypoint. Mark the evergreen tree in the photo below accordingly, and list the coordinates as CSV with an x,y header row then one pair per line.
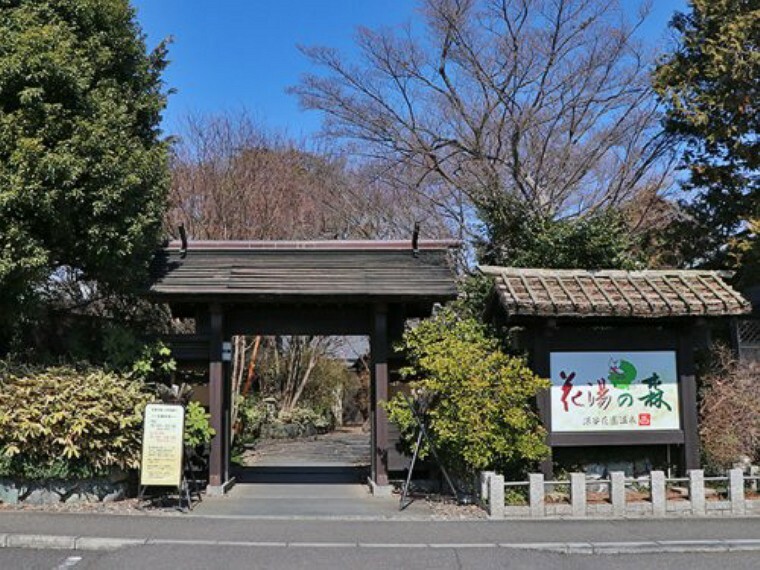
x,y
83,167
711,86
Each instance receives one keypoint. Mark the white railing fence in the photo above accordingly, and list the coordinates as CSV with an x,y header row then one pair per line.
x,y
619,496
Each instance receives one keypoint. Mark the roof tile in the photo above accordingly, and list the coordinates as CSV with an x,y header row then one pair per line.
x,y
615,293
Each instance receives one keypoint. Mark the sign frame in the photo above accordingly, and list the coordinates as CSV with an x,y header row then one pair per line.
x,y
614,335
614,377
683,336
174,444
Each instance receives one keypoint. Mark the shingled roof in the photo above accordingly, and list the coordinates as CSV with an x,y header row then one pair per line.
x,y
278,270
612,293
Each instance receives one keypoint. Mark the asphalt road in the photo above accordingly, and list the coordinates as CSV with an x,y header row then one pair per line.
x,y
378,531
190,542
187,557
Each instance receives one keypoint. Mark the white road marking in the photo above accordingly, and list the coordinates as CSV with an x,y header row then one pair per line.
x,y
70,562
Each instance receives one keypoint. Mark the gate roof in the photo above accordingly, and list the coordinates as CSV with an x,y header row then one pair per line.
x,y
614,293
317,270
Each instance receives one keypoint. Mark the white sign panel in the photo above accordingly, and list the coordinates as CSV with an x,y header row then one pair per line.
x,y
163,432
614,391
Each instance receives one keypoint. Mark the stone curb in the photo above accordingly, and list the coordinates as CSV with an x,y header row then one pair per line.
x,y
91,543
40,541
646,547
98,543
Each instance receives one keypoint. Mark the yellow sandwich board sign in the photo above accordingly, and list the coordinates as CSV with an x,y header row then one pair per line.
x,y
162,445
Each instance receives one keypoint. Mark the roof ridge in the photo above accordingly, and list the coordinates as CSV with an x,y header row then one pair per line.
x,y
542,271
323,245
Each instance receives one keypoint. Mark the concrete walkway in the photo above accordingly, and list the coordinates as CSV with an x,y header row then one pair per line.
x,y
323,476
307,500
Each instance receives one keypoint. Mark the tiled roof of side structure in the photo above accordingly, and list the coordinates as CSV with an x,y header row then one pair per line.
x,y
613,293
278,270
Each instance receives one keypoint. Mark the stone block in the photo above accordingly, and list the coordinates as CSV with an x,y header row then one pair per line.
x,y
118,493
657,491
42,496
617,492
578,494
9,493
496,496
485,477
697,491
536,494
754,471
736,491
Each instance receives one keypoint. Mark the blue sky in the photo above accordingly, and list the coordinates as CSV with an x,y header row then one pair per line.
x,y
242,54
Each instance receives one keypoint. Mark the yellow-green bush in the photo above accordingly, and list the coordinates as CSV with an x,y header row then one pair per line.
x,y
60,422
481,400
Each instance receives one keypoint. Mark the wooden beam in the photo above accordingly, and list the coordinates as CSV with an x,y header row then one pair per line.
x,y
379,347
216,397
588,438
306,319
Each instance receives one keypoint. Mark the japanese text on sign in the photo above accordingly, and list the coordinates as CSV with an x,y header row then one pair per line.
x,y
614,391
163,432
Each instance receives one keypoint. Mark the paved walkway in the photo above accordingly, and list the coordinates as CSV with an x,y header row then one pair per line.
x,y
308,500
347,447
322,476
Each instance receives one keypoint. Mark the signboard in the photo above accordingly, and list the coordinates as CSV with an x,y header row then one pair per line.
x,y
614,391
163,432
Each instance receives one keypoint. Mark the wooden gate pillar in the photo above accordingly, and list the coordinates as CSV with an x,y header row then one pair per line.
x,y
688,396
217,467
379,394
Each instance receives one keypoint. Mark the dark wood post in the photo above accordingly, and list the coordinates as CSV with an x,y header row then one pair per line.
x,y
540,361
688,395
216,398
379,347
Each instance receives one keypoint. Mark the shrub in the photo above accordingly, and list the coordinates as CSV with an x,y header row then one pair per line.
x,y
730,410
63,422
479,400
198,430
325,394
306,417
252,414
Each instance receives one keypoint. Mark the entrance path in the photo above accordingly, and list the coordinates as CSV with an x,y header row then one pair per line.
x,y
321,476
346,447
294,500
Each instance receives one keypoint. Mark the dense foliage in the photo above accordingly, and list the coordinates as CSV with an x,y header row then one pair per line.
x,y
710,85
83,170
516,237
68,422
479,401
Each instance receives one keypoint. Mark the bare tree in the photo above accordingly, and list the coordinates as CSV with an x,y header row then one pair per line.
x,y
287,365
544,101
233,179
730,410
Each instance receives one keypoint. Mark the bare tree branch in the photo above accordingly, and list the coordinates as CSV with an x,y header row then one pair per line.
x,y
544,101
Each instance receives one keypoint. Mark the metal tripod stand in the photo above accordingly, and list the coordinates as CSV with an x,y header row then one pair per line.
x,y
404,502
